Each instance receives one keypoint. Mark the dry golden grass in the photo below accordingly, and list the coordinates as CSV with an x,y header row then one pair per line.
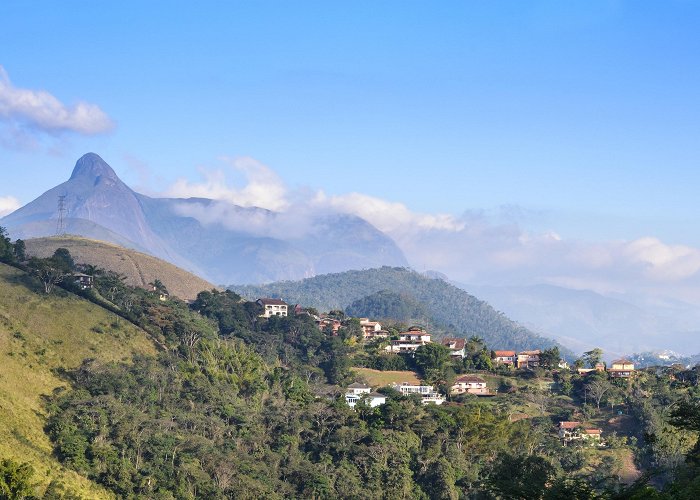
x,y
140,269
380,378
39,334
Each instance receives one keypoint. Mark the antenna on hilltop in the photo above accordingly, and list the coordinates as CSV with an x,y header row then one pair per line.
x,y
61,224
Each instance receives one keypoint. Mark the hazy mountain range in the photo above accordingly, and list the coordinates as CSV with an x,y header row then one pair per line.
x,y
582,319
254,246
448,310
230,244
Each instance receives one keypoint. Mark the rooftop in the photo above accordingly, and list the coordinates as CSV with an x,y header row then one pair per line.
x,y
471,378
569,425
357,385
458,343
622,362
272,302
504,353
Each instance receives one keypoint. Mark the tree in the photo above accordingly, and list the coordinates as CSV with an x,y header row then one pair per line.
x,y
549,358
597,387
521,477
64,260
16,480
6,253
593,357
158,286
20,250
431,360
49,272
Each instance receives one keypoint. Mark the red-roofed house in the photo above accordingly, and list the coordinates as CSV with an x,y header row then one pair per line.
x,y
333,323
410,340
621,368
572,431
504,357
456,346
370,328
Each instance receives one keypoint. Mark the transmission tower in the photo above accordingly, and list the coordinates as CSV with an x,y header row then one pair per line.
x,y
61,224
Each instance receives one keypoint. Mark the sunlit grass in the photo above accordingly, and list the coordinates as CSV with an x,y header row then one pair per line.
x,y
39,334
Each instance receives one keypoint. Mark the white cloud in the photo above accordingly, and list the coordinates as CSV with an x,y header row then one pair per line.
x,y
38,109
262,187
478,247
8,204
388,216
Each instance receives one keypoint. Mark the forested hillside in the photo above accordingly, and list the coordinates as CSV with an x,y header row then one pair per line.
x,y
40,337
457,311
385,304
233,405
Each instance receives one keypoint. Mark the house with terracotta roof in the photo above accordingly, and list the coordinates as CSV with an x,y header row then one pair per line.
x,y
621,368
409,340
573,431
504,357
599,367
333,323
370,328
273,307
455,345
469,384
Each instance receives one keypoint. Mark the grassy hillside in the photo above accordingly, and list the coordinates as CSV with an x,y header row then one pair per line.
x,y
139,268
382,378
453,309
38,335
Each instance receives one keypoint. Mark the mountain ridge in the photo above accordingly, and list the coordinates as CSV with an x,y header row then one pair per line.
x,y
459,312
100,206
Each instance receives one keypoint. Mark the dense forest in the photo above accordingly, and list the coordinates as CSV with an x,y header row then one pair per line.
x,y
238,406
454,310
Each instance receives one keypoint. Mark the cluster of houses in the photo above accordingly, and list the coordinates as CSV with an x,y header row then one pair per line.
x,y
410,340
466,384
620,368
356,392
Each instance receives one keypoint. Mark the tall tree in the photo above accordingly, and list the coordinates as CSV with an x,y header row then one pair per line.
x,y
593,356
431,360
49,272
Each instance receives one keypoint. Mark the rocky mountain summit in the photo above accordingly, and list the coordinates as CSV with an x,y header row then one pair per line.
x,y
244,249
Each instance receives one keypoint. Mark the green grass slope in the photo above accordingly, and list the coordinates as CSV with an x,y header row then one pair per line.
x,y
38,335
140,269
450,307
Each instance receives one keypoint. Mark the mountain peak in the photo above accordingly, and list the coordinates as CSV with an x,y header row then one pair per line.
x,y
92,166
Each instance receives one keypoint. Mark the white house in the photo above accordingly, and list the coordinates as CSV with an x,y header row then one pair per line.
x,y
357,392
409,341
456,346
359,389
370,329
470,384
428,394
273,307
572,431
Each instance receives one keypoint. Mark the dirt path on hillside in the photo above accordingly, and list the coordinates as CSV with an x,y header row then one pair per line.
x,y
629,472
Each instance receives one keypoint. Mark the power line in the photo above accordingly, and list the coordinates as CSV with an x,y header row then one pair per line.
x,y
61,224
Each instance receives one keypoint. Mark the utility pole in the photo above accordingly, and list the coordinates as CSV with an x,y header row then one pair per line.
x,y
61,224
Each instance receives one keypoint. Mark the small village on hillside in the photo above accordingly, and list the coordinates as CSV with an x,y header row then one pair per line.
x,y
332,387
410,341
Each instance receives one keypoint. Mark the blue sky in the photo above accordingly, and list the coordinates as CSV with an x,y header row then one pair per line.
x,y
581,118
